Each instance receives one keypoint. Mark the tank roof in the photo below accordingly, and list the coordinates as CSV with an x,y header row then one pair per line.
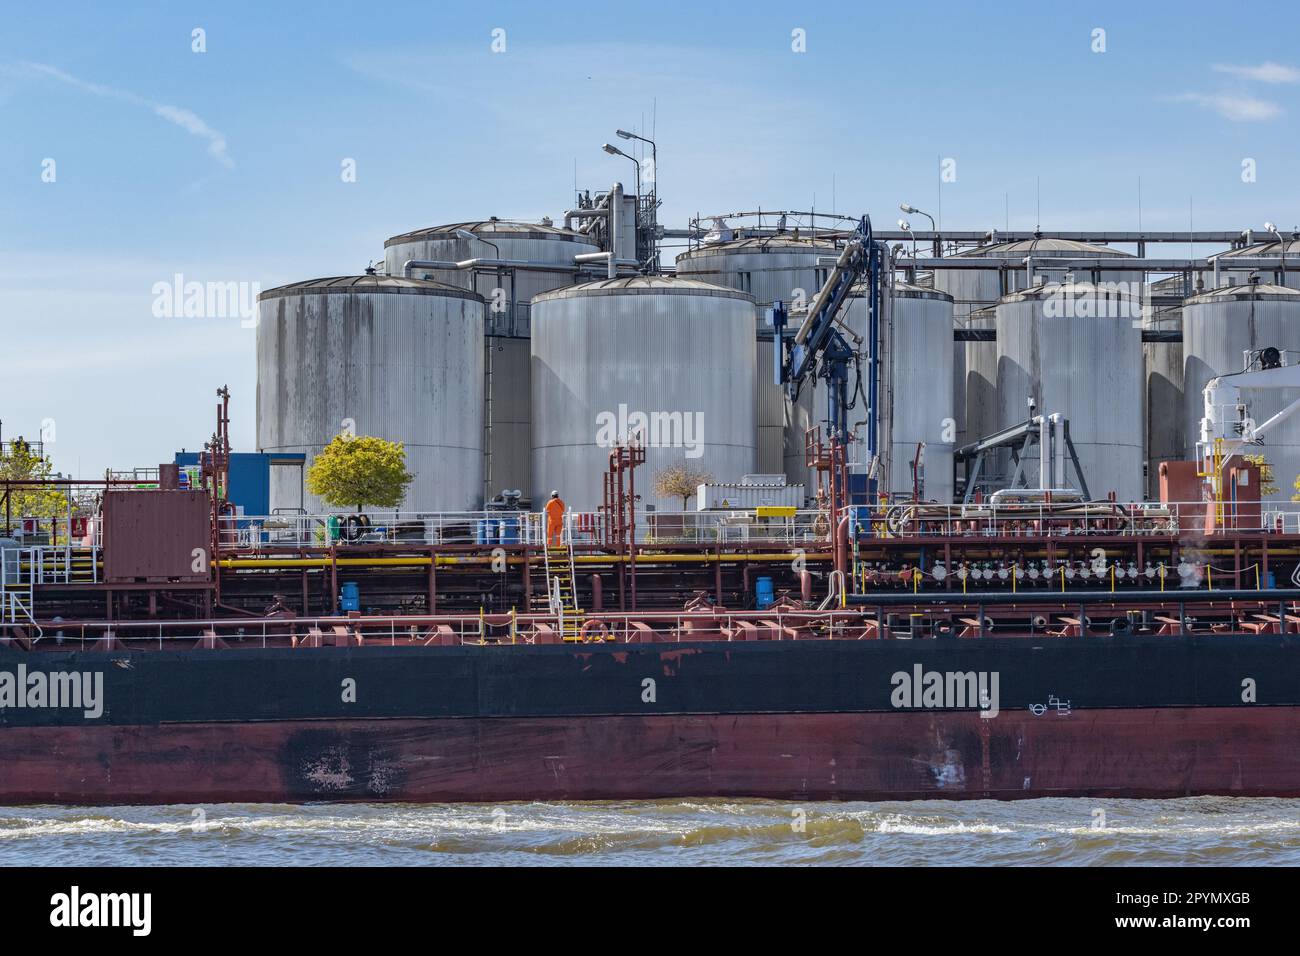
x,y
506,228
369,285
1245,292
1046,246
1048,289
760,244
644,285
1269,248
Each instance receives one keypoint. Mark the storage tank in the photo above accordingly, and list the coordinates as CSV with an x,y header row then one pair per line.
x,y
1076,349
674,354
508,399
915,406
1164,375
974,289
781,268
1219,326
395,358
1235,267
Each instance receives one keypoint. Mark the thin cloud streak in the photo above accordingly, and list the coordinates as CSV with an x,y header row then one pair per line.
x,y
1266,72
1236,107
187,120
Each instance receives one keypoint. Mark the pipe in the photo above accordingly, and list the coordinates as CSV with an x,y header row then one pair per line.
x,y
1044,455
615,227
1058,449
448,265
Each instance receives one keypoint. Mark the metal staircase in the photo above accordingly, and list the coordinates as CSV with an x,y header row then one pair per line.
x,y
17,575
561,597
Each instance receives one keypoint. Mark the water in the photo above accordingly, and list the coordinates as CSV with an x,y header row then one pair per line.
x,y
1047,832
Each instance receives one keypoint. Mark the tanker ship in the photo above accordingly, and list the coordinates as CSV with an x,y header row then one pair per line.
x,y
884,600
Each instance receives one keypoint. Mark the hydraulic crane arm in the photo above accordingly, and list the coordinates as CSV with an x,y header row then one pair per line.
x,y
819,349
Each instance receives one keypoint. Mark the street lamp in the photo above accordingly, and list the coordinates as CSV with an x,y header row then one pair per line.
x,y
615,151
470,237
654,191
906,226
1281,244
913,211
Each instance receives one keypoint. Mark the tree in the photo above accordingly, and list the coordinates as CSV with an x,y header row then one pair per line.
x,y
1266,486
679,481
360,471
19,462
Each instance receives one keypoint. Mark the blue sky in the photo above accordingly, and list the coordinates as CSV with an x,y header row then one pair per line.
x,y
225,165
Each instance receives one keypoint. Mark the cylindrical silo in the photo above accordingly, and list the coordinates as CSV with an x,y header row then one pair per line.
x,y
400,359
1076,349
672,358
508,292
1164,374
974,289
782,268
1236,266
1220,327
916,400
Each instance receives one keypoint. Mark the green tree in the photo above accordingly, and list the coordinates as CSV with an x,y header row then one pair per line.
x,y
360,471
19,462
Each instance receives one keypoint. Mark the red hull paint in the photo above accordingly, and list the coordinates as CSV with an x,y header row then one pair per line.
x,y
1140,753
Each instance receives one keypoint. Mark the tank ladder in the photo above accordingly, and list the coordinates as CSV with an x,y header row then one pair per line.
x,y
561,591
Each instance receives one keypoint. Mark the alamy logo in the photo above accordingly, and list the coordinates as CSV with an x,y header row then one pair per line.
x,y
78,690
75,908
656,429
946,690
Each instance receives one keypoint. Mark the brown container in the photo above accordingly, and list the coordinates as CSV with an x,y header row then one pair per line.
x,y
156,537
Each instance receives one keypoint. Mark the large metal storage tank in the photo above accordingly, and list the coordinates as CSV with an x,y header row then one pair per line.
x,y
915,407
772,268
400,359
975,363
605,351
1077,351
1219,327
508,420
1164,375
1236,267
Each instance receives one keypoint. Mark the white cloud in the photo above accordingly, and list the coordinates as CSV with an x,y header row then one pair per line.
x,y
1233,106
1266,72
185,119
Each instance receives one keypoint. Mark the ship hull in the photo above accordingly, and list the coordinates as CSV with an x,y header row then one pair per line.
x,y
1116,753
793,720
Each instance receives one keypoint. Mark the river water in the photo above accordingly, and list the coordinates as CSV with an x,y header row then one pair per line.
x,y
1046,832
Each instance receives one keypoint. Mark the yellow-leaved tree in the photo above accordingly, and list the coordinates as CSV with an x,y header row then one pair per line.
x,y
355,471
680,481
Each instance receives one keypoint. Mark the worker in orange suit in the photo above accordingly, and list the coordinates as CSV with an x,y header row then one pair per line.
x,y
554,519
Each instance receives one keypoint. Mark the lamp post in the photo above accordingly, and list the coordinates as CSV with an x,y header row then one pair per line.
x,y
1281,245
654,192
615,151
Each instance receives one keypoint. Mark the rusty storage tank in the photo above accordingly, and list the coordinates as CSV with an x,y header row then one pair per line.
x,y
786,268
1220,328
916,407
672,355
508,292
400,359
975,363
1076,349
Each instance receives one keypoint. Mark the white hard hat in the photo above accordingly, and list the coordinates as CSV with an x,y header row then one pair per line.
x,y
555,494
